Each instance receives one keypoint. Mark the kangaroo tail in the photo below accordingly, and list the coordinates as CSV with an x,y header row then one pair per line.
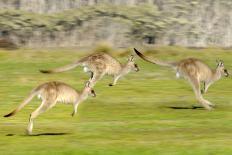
x,y
62,69
25,102
155,61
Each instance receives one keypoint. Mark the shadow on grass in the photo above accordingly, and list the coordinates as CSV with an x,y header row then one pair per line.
x,y
181,107
50,134
43,134
10,134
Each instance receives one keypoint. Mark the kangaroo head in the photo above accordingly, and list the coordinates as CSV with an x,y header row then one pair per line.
x,y
89,90
221,68
131,64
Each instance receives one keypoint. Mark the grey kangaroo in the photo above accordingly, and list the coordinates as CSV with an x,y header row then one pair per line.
x,y
98,65
51,93
195,71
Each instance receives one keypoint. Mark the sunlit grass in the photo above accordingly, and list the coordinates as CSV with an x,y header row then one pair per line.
x,y
133,117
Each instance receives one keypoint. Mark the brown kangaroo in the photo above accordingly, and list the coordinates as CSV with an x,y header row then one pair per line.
x,y
50,93
98,65
195,71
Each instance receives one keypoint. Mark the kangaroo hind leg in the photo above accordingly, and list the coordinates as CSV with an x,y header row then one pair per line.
x,y
196,88
41,109
96,77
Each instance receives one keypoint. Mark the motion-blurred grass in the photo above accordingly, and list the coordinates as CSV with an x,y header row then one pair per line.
x,y
137,116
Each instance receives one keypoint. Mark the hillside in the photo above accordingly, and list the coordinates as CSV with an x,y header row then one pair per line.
x,y
192,23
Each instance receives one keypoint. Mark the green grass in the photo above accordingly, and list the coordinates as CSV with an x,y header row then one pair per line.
x,y
133,117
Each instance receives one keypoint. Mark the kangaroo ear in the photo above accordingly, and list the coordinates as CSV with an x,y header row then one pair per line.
x,y
131,58
218,62
87,84
222,63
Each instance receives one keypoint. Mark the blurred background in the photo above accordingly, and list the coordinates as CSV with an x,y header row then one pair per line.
x,y
149,112
121,23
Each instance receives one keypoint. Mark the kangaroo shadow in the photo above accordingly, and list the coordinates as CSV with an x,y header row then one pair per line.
x,y
50,134
43,134
183,108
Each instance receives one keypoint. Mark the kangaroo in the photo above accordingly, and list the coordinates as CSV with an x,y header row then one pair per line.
x,y
195,71
98,65
50,93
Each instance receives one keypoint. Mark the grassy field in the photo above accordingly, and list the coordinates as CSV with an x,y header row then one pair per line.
x,y
147,113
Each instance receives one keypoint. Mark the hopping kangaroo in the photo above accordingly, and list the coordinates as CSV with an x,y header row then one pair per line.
x,y
50,93
98,65
195,71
